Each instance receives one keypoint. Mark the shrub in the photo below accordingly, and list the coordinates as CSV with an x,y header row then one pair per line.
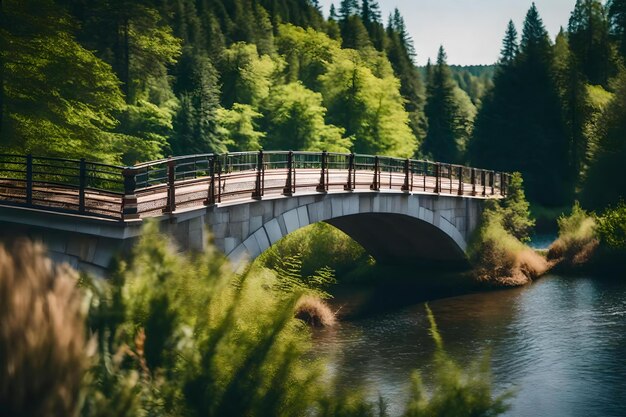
x,y
611,227
577,239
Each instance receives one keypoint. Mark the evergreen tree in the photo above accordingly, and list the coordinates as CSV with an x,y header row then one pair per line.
x,y
575,107
56,97
354,33
520,124
617,24
348,8
606,182
510,46
196,128
588,34
445,139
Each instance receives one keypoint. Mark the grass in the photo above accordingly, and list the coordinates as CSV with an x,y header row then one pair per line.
x,y
577,242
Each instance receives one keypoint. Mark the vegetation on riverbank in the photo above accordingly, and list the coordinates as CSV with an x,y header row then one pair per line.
x,y
590,242
497,251
173,334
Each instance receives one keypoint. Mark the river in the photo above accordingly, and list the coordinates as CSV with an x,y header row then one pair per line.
x,y
560,344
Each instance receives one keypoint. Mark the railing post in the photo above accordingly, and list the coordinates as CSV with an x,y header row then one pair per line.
x,y
407,172
424,172
473,181
450,176
171,187
210,200
376,184
219,181
29,179
260,168
483,181
461,185
350,185
288,190
492,176
437,177
129,201
502,184
323,186
82,183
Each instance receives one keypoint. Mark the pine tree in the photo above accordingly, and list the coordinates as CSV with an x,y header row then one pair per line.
x,y
520,124
444,140
617,24
196,124
348,8
510,46
589,41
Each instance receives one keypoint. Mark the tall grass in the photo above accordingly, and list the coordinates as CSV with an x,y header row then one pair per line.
x,y
577,241
178,335
498,257
42,338
456,392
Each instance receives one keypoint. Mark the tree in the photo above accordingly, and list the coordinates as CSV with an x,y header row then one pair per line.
x,y
196,128
348,8
510,46
588,35
605,183
520,124
56,97
448,123
294,119
617,24
576,108
369,108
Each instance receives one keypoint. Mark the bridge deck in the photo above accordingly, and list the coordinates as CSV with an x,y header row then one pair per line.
x,y
151,189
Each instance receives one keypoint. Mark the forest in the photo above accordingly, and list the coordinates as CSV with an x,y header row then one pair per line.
x,y
127,81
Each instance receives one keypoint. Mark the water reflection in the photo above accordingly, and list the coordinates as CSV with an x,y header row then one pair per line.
x,y
561,344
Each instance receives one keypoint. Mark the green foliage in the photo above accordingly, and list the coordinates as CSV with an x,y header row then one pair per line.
x,y
516,209
193,339
605,181
450,115
577,241
520,124
56,97
241,127
295,120
317,247
588,34
457,392
611,227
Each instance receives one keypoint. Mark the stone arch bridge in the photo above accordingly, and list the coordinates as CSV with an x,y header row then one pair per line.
x,y
400,210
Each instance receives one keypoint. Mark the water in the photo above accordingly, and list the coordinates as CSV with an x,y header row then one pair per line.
x,y
560,344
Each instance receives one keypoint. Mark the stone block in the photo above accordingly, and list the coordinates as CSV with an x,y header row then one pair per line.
x,y
252,247
303,216
291,220
256,223
239,213
273,231
262,239
337,206
229,244
316,212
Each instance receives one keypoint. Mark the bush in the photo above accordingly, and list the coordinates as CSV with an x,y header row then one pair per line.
x,y
611,227
318,246
498,257
577,241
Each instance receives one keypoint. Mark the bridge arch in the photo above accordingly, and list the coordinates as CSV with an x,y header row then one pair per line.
x,y
391,226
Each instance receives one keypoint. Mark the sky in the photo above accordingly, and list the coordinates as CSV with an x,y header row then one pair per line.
x,y
471,31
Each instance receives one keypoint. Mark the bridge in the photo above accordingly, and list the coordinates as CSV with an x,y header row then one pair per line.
x,y
400,210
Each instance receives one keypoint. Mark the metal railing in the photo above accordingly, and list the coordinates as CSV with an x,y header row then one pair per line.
x,y
164,186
